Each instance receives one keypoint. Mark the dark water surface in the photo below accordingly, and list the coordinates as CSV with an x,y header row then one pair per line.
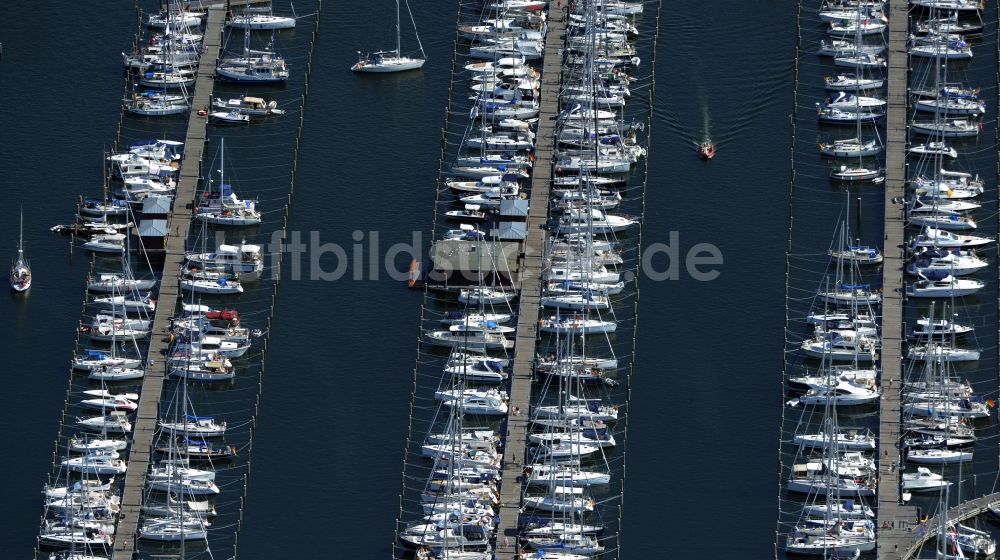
x,y
330,436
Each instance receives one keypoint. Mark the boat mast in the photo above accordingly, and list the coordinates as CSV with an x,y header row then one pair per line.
x,y
398,51
20,239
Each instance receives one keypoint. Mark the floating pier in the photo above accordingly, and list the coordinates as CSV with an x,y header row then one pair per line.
x,y
514,436
894,520
147,416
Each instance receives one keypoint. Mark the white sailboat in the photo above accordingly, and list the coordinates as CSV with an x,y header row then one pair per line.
x,y
382,62
20,272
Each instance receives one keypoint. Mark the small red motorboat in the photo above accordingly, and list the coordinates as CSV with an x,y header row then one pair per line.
x,y
706,150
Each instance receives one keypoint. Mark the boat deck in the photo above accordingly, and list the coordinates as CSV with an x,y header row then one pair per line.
x,y
144,425
895,520
515,435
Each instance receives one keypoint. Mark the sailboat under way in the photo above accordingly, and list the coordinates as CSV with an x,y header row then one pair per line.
x,y
20,273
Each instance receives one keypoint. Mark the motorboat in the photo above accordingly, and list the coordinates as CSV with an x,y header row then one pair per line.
x,y
842,346
935,237
842,393
706,150
96,464
593,220
459,336
244,260
464,535
815,478
926,328
483,370
945,287
943,261
932,149
219,369
231,116
484,403
260,67
853,82
108,328
924,481
248,105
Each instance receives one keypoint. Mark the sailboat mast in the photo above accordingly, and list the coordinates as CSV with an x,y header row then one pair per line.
x,y
398,25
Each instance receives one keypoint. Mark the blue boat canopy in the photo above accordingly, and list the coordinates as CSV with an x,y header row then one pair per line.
x,y
856,286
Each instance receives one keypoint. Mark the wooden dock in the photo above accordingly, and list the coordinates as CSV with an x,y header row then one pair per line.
x,y
920,533
894,519
144,426
530,279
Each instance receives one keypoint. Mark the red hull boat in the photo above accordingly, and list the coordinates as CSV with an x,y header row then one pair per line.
x,y
706,150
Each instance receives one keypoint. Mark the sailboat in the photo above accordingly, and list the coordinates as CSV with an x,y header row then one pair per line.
x,y
224,208
854,147
392,61
20,273
255,66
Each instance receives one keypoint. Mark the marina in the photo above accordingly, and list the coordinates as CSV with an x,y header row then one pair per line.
x,y
138,463
526,374
872,340
539,481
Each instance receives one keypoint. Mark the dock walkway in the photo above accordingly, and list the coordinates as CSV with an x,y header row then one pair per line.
x,y
895,517
515,435
144,426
